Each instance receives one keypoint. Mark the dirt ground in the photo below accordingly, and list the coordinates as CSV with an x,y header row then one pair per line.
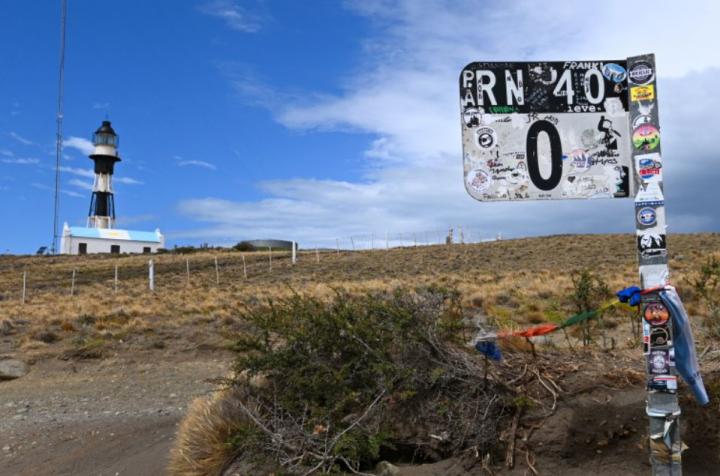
x,y
601,432
116,416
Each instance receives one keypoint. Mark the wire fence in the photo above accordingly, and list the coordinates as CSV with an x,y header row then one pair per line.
x,y
23,279
374,241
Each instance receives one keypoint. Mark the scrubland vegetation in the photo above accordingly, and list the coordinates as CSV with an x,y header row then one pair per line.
x,y
363,356
513,283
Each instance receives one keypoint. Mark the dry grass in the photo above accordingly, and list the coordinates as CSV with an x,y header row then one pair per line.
x,y
203,445
515,282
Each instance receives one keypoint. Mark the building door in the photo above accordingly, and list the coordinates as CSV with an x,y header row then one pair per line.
x,y
82,248
115,249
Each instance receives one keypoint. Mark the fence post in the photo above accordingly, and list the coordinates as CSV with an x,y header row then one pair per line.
x,y
217,272
116,277
294,252
270,256
187,270
151,275
24,286
414,240
244,267
72,283
372,241
387,241
317,255
352,242
337,243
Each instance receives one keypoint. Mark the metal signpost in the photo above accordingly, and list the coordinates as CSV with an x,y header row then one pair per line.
x,y
578,130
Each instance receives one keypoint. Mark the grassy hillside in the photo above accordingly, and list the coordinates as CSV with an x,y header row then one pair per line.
x,y
540,403
513,281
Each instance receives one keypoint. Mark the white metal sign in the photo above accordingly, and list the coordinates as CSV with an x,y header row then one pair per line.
x,y
546,130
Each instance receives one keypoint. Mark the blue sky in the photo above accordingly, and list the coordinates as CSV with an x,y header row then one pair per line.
x,y
318,120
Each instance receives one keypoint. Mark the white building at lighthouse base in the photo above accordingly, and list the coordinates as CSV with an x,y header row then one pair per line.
x,y
80,240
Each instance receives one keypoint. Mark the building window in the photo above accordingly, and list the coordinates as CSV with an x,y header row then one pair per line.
x,y
146,249
82,248
115,249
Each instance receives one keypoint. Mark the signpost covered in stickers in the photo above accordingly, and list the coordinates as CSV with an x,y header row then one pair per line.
x,y
579,130
551,130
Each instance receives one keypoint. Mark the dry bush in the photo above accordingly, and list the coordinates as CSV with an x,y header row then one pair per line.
x,y
345,378
207,439
476,300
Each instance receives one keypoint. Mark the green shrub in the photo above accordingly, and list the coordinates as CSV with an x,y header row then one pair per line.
x,y
244,246
362,375
589,292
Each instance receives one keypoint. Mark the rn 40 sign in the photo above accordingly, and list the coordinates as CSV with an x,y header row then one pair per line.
x,y
549,130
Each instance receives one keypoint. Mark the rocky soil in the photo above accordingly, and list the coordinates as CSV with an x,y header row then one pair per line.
x,y
99,417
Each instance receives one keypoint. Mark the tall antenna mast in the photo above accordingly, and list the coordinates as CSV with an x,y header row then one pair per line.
x,y
59,134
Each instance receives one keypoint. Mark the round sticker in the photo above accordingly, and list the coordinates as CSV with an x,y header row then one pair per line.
x,y
478,180
614,72
641,73
658,362
659,337
646,138
656,314
486,137
641,120
647,216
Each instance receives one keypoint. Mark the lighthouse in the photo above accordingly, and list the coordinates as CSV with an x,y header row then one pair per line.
x,y
100,234
102,203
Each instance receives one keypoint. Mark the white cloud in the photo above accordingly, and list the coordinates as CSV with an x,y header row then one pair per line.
x,y
81,184
7,153
88,173
127,181
409,97
197,163
101,105
21,161
21,139
79,143
73,194
69,193
405,95
233,14
125,220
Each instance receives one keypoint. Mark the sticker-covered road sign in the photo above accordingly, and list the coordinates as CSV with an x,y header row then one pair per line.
x,y
546,130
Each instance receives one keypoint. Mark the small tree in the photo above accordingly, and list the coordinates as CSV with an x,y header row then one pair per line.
x,y
707,285
244,246
589,292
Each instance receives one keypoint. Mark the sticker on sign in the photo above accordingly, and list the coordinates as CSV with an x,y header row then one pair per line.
x,y
546,130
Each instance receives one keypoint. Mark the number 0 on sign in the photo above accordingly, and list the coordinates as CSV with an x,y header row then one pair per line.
x,y
546,130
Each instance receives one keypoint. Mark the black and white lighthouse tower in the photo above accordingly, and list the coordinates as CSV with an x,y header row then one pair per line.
x,y
102,204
